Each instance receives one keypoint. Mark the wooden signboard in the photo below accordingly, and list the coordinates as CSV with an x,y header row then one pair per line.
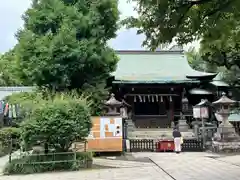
x,y
105,135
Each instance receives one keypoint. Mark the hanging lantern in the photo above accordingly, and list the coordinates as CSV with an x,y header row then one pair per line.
x,y
201,110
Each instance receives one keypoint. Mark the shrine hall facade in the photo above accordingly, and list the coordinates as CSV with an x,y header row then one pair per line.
x,y
160,86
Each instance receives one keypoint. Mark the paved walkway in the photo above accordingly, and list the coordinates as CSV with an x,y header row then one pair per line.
x,y
136,173
195,166
120,163
165,166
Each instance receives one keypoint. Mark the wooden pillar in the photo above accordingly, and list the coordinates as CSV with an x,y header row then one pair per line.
x,y
133,107
171,109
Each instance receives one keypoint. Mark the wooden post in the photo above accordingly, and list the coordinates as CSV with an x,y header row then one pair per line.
x,y
85,145
10,150
75,154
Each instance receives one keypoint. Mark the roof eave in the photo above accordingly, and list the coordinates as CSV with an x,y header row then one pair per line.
x,y
204,76
154,82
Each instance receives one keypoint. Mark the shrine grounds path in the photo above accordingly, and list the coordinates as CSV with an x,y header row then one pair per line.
x,y
162,166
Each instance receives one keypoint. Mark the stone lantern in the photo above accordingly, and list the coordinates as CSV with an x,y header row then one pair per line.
x,y
116,108
113,106
225,139
185,105
225,130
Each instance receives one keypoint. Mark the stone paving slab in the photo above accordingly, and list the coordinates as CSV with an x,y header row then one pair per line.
x,y
194,166
184,166
235,160
137,173
120,163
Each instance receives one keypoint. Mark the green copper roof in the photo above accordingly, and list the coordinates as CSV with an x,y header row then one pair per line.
x,y
154,67
217,81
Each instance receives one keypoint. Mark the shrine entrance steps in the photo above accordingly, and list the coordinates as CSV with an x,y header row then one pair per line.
x,y
155,133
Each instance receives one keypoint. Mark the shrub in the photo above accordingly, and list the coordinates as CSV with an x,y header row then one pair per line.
x,y
7,135
45,162
58,122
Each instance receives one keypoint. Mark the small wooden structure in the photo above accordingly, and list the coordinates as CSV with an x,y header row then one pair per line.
x,y
106,133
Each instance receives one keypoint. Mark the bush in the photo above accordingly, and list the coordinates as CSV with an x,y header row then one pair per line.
x,y
57,122
45,162
6,136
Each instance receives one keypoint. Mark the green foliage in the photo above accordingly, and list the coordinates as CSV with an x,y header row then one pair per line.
x,y
221,46
57,122
21,97
185,20
48,162
96,95
27,100
9,139
8,69
196,61
64,43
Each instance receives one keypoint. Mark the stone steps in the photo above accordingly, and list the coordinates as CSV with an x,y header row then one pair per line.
x,y
130,125
157,134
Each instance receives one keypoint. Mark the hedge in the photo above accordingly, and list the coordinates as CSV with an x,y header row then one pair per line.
x,y
44,163
7,135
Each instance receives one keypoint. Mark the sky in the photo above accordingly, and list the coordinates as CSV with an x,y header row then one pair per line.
x,y
10,21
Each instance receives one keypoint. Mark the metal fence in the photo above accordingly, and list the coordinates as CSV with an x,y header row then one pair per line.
x,y
152,145
54,158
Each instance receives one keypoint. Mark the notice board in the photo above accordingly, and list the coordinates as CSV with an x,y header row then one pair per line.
x,y
105,135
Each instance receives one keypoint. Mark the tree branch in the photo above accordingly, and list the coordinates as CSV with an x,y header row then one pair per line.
x,y
219,8
179,22
188,6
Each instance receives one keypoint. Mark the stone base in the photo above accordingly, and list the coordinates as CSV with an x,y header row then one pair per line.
x,y
225,147
226,129
226,134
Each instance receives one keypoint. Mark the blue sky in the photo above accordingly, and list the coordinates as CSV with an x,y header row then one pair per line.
x,y
10,20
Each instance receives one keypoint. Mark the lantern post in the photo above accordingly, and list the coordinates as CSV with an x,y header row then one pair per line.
x,y
200,111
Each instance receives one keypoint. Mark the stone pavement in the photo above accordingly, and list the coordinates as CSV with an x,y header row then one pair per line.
x,y
234,160
120,163
195,166
165,166
135,173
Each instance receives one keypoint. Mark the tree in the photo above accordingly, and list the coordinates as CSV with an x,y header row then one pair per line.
x,y
64,43
196,61
185,20
8,69
221,46
57,123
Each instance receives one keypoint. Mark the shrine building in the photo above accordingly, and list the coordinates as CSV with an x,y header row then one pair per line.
x,y
160,86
